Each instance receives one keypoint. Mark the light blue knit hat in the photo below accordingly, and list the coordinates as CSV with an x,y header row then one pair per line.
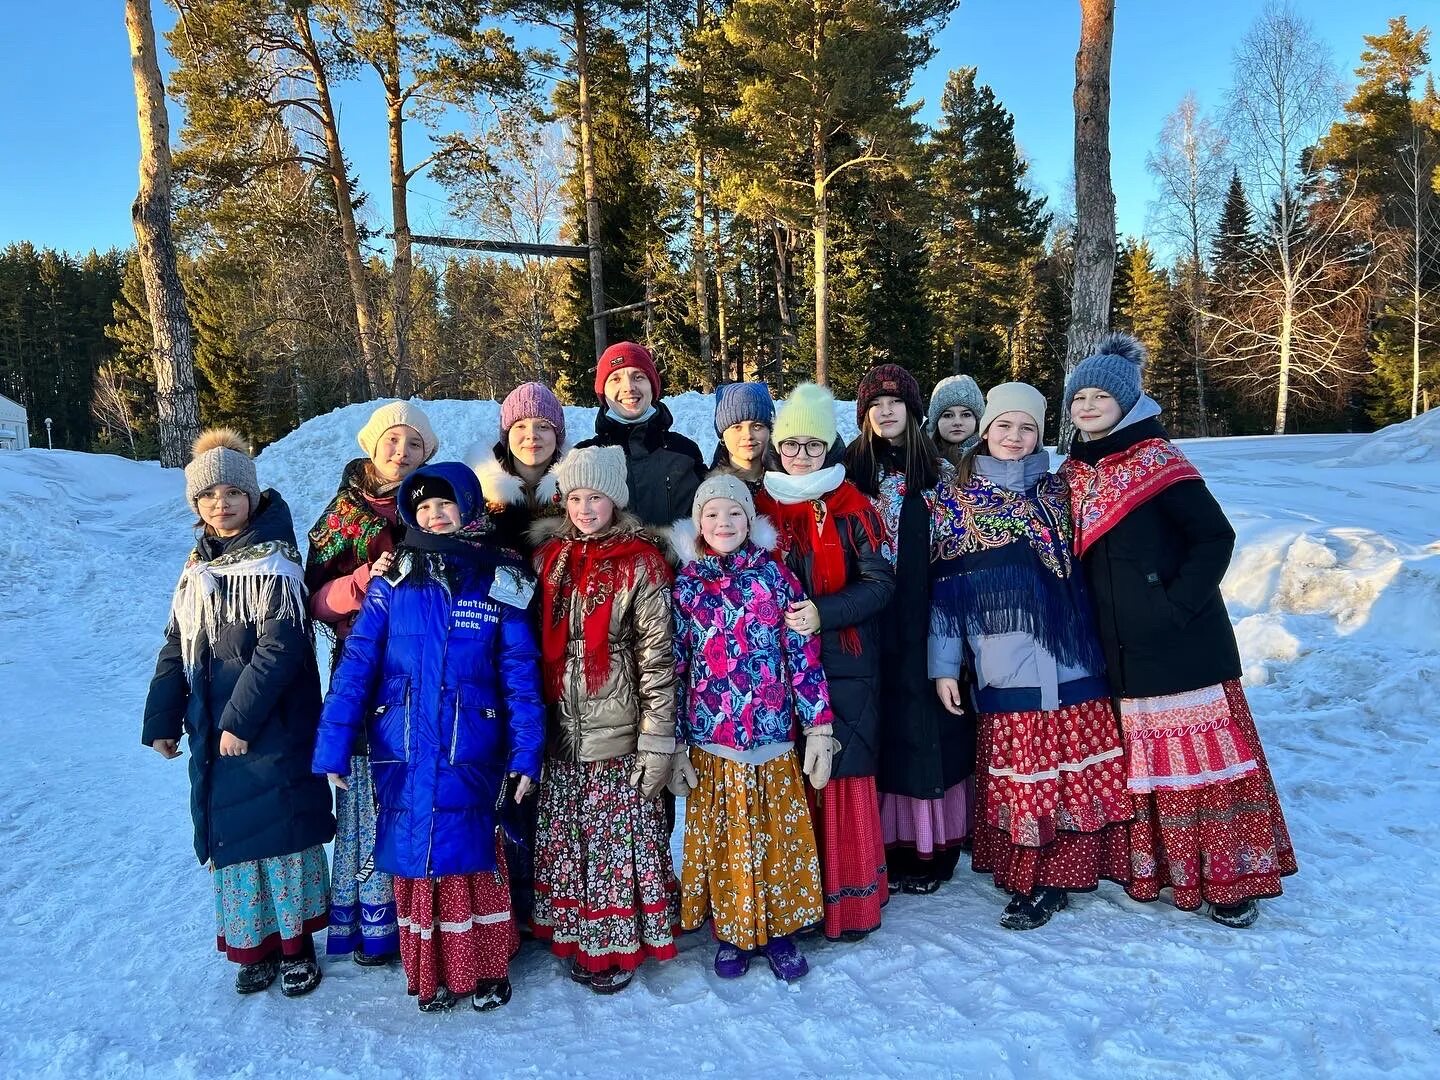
x,y
1115,366
955,390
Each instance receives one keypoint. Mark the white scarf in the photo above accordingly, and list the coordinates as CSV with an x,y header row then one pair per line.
x,y
807,487
256,583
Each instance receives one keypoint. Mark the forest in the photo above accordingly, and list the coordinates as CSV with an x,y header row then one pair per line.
x,y
764,203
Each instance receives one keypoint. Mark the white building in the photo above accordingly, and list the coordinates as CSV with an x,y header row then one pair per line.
x,y
14,425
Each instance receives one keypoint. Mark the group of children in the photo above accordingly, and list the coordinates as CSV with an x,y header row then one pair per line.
x,y
851,662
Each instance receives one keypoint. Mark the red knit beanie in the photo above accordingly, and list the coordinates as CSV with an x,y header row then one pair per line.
x,y
889,380
625,354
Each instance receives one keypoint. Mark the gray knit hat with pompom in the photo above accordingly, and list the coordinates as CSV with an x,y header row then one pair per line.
x,y
1115,366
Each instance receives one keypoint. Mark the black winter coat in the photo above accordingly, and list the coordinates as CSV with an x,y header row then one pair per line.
x,y
259,682
1155,579
854,679
663,468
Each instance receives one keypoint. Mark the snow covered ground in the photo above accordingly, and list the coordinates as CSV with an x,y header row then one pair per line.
x,y
107,965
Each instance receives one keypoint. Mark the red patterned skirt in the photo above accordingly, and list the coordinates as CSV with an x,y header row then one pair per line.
x,y
605,889
846,815
1208,822
1051,798
456,930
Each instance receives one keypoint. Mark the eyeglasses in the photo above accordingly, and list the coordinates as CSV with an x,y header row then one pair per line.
x,y
791,448
215,498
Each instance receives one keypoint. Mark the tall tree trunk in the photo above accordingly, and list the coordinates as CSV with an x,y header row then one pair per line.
x,y
820,228
1094,197
587,170
1282,397
1416,239
366,326
174,356
1197,333
721,304
403,267
700,262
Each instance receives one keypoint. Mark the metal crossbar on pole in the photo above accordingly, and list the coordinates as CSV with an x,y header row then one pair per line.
x,y
502,247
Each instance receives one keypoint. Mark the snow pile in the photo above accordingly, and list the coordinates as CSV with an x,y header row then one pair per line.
x,y
1334,587
1415,441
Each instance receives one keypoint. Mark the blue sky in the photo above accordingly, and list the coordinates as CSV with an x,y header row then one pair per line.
x,y
69,141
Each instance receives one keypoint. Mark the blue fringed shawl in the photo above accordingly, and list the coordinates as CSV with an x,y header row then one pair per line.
x,y
1001,563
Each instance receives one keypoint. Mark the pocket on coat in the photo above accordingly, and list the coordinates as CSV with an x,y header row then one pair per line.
x,y
390,721
475,727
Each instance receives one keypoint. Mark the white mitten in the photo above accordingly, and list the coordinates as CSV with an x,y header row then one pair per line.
x,y
683,777
819,752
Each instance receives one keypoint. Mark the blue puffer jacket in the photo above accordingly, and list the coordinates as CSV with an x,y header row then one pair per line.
x,y
446,681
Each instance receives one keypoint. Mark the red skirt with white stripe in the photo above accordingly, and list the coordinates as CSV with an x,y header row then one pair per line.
x,y
605,889
846,815
457,930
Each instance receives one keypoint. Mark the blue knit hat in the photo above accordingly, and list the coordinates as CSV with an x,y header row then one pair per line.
x,y
955,390
1115,367
740,401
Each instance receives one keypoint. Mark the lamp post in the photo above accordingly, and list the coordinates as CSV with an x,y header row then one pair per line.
x,y
48,440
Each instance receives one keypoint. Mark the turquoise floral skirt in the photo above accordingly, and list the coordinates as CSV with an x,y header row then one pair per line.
x,y
272,905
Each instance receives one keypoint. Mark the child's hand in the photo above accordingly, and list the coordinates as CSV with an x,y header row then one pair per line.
x,y
949,691
166,748
803,618
382,564
523,786
232,746
338,781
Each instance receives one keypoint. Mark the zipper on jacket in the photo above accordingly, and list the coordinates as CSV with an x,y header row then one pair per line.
x,y
407,722
455,731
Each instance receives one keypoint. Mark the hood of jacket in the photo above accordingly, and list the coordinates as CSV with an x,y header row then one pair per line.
x,y
500,487
1140,423
685,543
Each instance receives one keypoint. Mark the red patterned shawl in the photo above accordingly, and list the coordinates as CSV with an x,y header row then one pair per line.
x,y
1102,494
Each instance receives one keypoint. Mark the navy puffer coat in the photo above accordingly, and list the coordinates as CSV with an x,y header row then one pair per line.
x,y
255,678
444,675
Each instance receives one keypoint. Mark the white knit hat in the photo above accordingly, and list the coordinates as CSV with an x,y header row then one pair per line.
x,y
1014,397
394,414
596,468
722,486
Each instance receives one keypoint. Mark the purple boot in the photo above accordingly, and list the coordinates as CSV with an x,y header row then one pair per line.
x,y
786,961
730,962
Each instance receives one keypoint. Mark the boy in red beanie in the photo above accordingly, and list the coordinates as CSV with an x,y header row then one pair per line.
x,y
663,468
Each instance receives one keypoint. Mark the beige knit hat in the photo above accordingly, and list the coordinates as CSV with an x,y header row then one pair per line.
x,y
722,486
392,415
221,456
596,468
1014,397
808,413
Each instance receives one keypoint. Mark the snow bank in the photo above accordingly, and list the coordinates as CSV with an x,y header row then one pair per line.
x,y
106,927
1415,441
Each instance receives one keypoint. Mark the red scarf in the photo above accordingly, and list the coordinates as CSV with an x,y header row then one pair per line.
x,y
579,570
1102,494
802,530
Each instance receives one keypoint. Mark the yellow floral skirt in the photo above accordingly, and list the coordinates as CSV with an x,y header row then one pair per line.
x,y
750,860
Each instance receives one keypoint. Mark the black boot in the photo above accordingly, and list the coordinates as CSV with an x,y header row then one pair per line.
x,y
491,995
364,959
442,1000
253,978
301,973
1238,916
1035,910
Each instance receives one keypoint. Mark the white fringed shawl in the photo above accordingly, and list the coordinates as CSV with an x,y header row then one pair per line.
x,y
261,582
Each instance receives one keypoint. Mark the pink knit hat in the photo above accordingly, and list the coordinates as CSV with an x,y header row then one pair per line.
x,y
533,401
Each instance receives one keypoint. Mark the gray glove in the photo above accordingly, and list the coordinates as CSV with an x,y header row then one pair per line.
x,y
683,777
652,772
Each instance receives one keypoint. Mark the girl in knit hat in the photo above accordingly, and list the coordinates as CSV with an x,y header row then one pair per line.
x,y
441,671
1008,603
831,537
605,892
926,755
1155,545
955,407
744,417
351,542
747,682
237,675
517,474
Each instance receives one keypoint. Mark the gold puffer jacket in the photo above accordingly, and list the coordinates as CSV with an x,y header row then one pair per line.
x,y
634,709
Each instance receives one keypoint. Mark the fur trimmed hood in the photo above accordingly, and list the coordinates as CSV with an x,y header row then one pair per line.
x,y
502,488
685,539
558,527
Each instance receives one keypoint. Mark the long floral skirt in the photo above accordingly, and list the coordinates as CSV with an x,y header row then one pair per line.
x,y
846,815
456,931
270,906
1208,822
605,890
1051,798
750,861
362,899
